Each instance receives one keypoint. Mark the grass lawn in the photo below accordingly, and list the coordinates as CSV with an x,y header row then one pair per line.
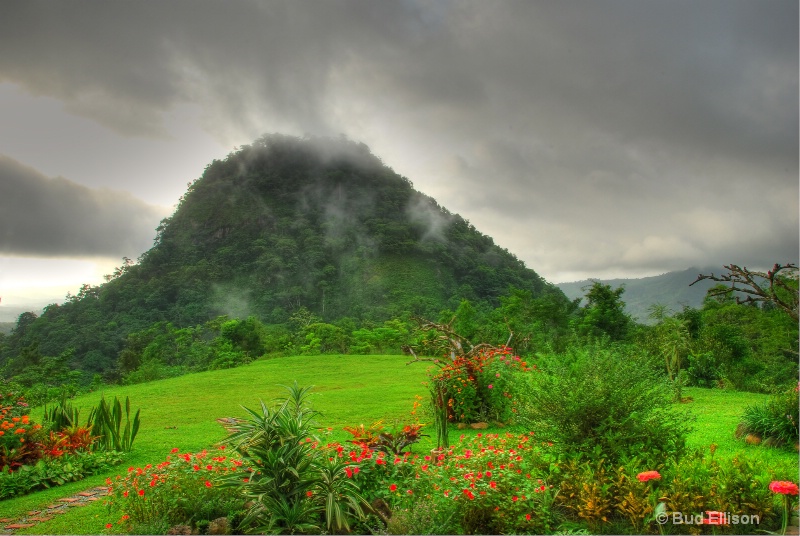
x,y
349,390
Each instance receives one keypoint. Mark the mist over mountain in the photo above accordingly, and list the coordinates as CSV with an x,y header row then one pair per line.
x,y
281,225
671,289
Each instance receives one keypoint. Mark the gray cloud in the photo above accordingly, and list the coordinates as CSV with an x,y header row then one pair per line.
x,y
618,136
40,216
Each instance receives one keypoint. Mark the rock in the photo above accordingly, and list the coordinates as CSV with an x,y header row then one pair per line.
x,y
752,439
382,509
479,425
218,526
180,529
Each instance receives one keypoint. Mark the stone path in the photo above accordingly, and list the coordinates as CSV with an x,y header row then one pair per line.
x,y
34,517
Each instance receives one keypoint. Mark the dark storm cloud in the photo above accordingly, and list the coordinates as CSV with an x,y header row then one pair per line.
x,y
40,216
615,134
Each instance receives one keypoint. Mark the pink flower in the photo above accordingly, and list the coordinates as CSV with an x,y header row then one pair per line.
x,y
784,487
491,386
648,475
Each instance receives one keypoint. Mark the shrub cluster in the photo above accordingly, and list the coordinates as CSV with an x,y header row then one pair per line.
x,y
33,456
186,488
601,402
480,387
774,422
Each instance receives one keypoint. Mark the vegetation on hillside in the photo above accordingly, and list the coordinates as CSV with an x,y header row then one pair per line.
x,y
278,227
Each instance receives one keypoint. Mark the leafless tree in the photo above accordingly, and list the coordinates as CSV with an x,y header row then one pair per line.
x,y
456,343
778,286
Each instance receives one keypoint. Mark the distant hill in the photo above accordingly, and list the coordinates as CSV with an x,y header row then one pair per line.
x,y
671,289
279,225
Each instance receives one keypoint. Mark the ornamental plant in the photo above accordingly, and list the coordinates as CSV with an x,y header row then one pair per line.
x,y
479,387
488,484
785,490
775,421
293,486
18,434
186,488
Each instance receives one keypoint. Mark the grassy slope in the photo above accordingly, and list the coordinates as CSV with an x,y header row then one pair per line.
x,y
350,390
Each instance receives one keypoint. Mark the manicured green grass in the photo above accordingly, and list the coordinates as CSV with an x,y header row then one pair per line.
x,y
349,390
718,413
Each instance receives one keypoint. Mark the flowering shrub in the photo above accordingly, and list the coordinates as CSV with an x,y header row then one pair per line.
x,y
391,442
18,434
480,387
488,484
184,488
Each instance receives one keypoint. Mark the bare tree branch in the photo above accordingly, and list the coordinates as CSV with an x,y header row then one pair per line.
x,y
773,286
456,343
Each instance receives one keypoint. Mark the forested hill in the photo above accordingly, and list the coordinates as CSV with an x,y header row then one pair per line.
x,y
277,226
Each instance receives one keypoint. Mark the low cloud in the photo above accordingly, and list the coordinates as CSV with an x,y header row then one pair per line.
x,y
55,217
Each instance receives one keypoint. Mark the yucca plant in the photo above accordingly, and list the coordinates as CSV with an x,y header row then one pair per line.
x,y
62,416
292,485
106,422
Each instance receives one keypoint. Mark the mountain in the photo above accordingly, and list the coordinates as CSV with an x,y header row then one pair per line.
x,y
277,226
671,289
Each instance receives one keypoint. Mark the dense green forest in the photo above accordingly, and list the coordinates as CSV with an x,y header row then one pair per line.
x,y
313,246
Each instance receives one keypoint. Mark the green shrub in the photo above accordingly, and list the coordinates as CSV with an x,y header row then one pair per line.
x,y
49,472
600,401
775,421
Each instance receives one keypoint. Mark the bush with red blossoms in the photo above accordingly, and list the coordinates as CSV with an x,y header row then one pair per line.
x,y
489,484
184,488
480,387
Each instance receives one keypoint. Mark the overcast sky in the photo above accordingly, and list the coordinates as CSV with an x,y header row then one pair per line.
x,y
590,139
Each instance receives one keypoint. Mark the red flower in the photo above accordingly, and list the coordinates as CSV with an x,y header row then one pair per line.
x,y
648,475
109,525
492,484
309,493
174,450
141,493
208,484
196,467
514,498
393,487
527,517
784,487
